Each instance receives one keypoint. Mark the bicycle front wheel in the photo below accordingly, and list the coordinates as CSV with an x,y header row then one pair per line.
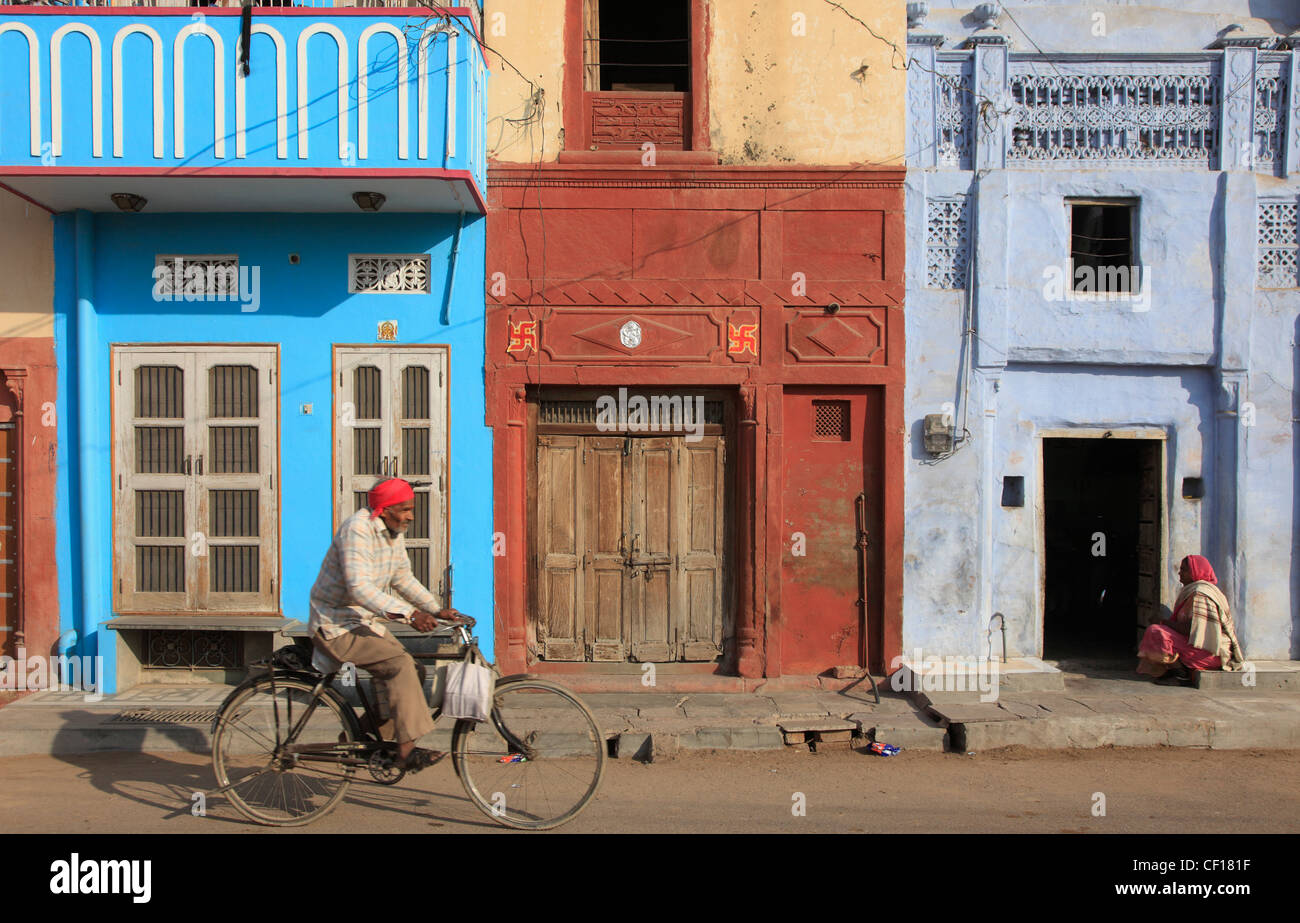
x,y
537,763
270,781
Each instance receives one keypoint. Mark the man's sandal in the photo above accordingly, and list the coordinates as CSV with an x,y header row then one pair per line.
x,y
419,758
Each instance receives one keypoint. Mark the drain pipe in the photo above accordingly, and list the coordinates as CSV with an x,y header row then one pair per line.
x,y
88,400
451,272
988,634
67,641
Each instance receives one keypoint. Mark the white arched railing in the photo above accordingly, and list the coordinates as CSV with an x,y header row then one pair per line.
x,y
156,41
426,38
281,93
33,78
219,87
363,100
334,33
96,88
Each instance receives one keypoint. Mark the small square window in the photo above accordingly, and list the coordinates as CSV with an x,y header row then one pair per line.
x,y
1102,250
831,421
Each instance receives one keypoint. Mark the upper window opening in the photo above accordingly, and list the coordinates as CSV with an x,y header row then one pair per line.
x,y
631,47
1102,246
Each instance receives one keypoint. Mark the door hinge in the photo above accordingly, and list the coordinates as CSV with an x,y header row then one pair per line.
x,y
439,378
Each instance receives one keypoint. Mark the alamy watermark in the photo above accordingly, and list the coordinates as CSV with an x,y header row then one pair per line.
x,y
659,413
61,673
182,279
1124,284
944,674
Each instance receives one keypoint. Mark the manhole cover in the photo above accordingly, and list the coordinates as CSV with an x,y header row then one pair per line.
x,y
166,716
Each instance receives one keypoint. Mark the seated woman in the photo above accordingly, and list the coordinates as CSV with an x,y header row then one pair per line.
x,y
1198,636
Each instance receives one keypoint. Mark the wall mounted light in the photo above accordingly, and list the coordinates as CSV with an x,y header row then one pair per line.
x,y
369,201
129,201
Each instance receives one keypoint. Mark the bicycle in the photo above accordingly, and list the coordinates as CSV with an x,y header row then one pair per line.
x,y
286,745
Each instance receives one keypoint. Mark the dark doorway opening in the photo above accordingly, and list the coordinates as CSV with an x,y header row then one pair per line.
x,y
1102,544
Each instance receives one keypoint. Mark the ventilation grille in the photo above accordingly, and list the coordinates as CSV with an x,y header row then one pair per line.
x,y
165,716
583,413
831,421
181,649
391,273
211,276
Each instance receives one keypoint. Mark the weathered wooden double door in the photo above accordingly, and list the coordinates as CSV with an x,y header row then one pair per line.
x,y
630,548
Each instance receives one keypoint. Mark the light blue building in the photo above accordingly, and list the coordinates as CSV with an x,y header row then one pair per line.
x,y
269,293
1102,322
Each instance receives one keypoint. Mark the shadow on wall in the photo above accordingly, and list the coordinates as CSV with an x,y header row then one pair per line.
x,y
1295,493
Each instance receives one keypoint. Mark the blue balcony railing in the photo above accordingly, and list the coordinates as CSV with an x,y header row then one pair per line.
x,y
85,89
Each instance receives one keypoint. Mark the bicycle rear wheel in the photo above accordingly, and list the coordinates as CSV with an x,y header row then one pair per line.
x,y
537,763
269,783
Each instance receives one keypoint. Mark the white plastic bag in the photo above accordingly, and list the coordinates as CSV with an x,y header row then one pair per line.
x,y
468,691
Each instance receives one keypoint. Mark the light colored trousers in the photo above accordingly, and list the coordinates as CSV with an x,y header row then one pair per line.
x,y
393,669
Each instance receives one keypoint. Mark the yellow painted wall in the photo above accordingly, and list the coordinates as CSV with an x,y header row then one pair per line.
x,y
27,266
529,34
826,96
790,81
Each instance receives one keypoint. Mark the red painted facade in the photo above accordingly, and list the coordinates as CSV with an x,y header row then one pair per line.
x,y
728,271
28,386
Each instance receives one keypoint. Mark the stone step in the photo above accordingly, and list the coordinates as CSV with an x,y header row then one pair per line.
x,y
1266,675
911,732
1275,731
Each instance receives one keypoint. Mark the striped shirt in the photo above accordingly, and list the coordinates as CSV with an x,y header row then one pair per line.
x,y
366,574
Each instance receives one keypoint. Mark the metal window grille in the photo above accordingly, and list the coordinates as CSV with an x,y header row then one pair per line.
x,y
183,649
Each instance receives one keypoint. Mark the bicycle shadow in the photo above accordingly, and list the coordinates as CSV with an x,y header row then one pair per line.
x,y
178,782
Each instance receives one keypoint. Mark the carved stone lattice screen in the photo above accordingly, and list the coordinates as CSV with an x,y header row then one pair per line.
x,y
947,242
953,108
1132,112
1271,94
389,272
1278,266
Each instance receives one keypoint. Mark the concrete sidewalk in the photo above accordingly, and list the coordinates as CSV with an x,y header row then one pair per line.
x,y
1041,708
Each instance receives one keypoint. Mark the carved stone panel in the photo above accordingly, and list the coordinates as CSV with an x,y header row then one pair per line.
x,y
654,336
852,335
628,120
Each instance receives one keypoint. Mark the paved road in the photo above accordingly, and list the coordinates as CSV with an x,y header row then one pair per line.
x,y
1146,791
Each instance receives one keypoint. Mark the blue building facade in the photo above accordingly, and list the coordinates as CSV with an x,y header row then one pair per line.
x,y
269,294
1102,323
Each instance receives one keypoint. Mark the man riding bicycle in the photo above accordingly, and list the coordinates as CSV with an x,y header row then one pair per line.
x,y
366,577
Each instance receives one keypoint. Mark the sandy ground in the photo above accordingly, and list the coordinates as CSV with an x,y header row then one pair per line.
x,y
1009,791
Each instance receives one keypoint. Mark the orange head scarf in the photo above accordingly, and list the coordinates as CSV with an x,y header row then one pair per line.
x,y
386,493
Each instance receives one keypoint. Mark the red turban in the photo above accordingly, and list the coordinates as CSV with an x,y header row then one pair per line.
x,y
386,493
1200,568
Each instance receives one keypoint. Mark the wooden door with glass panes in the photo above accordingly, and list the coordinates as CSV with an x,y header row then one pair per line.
x,y
391,421
195,514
